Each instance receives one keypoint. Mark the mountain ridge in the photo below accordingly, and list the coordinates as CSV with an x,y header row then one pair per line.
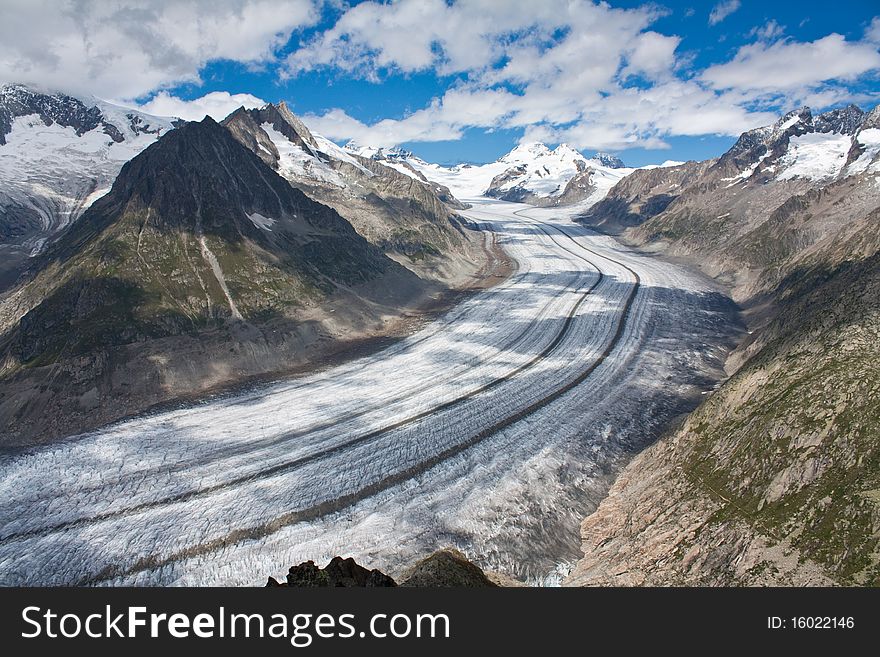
x,y
773,479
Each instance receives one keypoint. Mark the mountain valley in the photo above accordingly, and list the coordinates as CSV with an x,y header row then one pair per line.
x,y
238,345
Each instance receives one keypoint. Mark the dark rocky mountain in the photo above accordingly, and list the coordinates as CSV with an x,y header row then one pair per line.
x,y
408,217
774,479
201,266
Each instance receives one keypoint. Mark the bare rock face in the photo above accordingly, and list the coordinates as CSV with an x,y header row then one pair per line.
x,y
643,194
410,218
778,193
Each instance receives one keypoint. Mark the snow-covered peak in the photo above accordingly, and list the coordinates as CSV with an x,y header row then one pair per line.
x,y
803,116
820,148
60,152
378,152
526,152
358,149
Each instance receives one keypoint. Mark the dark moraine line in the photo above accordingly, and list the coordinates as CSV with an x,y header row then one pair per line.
x,y
341,503
293,464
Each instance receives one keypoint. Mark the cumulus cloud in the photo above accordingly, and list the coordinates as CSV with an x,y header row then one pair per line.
x,y
787,64
415,35
722,10
569,70
562,70
872,34
217,104
565,70
127,48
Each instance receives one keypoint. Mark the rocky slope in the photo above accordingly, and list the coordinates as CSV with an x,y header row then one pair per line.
x,y
201,266
412,220
774,479
58,154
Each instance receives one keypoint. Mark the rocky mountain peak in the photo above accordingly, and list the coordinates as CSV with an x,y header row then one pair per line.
x,y
244,125
288,124
201,173
845,121
609,160
872,119
758,149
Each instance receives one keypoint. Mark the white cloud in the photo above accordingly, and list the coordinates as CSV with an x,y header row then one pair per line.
x,y
557,69
127,48
787,64
769,31
722,10
653,55
217,104
872,34
571,70
467,36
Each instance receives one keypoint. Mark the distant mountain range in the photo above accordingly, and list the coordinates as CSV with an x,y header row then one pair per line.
x,y
530,173
57,155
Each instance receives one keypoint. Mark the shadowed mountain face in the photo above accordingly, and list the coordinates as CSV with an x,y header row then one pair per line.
x,y
774,479
408,217
201,258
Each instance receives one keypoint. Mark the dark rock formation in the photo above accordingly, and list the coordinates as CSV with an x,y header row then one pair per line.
x,y
609,160
345,573
445,568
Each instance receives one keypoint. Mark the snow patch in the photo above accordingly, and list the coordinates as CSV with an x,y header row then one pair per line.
x,y
787,124
294,162
868,161
545,173
816,156
260,221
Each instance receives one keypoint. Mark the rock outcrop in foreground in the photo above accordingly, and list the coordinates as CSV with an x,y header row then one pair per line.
x,y
446,568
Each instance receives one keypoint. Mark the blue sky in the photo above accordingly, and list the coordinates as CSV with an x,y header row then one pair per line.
x,y
466,81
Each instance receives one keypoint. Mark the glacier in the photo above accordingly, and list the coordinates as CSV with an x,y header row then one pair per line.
x,y
494,429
